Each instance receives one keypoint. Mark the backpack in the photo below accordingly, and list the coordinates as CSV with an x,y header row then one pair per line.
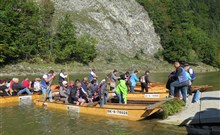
x,y
142,79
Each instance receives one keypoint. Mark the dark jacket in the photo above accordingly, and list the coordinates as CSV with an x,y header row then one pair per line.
x,y
103,89
17,87
84,85
82,94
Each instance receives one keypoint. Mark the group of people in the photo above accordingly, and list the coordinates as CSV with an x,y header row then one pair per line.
x,y
13,87
90,90
180,81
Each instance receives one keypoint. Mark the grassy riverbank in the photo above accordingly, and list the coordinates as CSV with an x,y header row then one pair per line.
x,y
155,66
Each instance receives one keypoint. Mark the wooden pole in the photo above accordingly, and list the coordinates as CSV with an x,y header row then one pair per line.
x,y
67,73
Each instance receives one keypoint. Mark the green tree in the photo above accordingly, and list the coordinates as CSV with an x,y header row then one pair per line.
x,y
21,28
67,46
189,29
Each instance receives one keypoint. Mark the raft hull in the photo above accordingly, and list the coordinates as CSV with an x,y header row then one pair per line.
x,y
128,112
17,99
144,96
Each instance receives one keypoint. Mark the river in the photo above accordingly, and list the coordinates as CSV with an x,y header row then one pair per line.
x,y
27,119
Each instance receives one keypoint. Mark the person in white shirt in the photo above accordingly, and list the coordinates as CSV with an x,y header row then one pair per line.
x,y
93,75
37,86
62,77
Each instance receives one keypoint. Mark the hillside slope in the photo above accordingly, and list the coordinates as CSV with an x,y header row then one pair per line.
x,y
123,28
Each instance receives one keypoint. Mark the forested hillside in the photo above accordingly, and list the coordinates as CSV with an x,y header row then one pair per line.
x,y
30,31
26,34
189,29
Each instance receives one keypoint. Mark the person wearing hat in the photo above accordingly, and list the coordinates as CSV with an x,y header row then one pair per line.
x,y
121,90
64,92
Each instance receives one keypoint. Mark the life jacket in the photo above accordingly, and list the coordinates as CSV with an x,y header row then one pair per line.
x,y
183,76
44,83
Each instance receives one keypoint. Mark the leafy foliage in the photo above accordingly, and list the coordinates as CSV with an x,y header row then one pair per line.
x,y
171,107
26,34
71,47
189,29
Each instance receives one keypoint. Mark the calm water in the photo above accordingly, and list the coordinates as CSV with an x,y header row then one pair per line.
x,y
31,120
26,119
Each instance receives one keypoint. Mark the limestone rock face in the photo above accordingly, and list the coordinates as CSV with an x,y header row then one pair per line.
x,y
122,27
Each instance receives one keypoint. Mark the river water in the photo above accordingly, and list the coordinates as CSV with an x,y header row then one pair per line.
x,y
27,119
30,120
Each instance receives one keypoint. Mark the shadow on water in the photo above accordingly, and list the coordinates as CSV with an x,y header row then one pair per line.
x,y
203,122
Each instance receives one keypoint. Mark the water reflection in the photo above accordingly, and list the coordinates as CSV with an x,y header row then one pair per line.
x,y
31,120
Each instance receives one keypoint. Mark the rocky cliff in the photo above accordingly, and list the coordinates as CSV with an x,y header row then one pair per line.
x,y
122,27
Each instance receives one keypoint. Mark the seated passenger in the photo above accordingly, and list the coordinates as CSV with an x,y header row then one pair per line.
x,y
19,88
80,96
36,86
26,83
72,89
93,91
71,85
84,83
4,90
64,92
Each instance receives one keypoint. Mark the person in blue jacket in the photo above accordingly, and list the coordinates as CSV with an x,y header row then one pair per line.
x,y
181,81
133,80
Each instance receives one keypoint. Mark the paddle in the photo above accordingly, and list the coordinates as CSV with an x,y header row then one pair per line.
x,y
67,73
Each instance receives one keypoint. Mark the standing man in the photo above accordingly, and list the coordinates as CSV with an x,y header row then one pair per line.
x,y
133,80
181,81
46,83
103,92
62,77
93,75
192,75
144,79
190,71
113,78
